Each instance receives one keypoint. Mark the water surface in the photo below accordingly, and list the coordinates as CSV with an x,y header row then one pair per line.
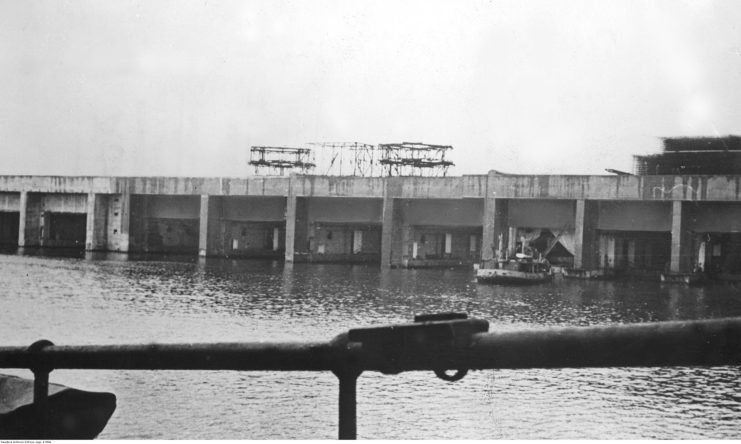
x,y
115,299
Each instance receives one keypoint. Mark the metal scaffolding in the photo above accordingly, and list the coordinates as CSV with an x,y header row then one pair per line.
x,y
275,160
414,159
346,158
354,159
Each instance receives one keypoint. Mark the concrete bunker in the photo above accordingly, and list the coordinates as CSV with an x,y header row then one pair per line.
x,y
67,230
715,239
540,228
165,224
338,230
254,226
621,246
55,220
441,232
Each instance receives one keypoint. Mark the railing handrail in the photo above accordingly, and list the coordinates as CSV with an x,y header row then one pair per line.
x,y
677,343
433,343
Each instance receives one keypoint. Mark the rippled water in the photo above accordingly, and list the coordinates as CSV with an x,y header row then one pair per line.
x,y
110,299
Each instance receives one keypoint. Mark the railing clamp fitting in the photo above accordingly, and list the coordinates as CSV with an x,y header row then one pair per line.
x,y
432,340
38,364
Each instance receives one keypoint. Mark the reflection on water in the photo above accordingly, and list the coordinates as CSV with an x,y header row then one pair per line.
x,y
88,298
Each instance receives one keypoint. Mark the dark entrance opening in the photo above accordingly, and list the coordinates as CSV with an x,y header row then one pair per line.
x,y
67,230
9,223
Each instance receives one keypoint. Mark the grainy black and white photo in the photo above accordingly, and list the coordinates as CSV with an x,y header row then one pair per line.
x,y
370,219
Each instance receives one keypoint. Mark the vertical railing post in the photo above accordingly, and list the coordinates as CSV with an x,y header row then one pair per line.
x,y
348,424
41,372
41,401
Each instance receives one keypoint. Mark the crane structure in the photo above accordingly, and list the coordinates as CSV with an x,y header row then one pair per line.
x,y
275,160
414,159
346,158
353,159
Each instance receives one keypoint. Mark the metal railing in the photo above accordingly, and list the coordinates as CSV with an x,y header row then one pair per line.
x,y
439,343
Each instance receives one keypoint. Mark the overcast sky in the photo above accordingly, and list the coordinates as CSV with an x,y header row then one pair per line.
x,y
156,87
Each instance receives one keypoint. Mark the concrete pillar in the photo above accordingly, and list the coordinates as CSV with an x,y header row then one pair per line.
x,y
495,229
394,235
387,229
97,222
22,208
124,224
392,230
90,223
215,228
291,202
137,215
489,241
30,220
585,221
210,239
495,224
681,245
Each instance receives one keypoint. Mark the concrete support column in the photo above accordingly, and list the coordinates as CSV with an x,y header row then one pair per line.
x,y
489,240
90,223
97,223
681,248
22,208
387,230
392,242
495,239
584,234
495,229
215,229
124,225
579,222
291,203
31,228
210,226
138,222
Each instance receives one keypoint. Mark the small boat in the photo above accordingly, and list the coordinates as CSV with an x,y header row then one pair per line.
x,y
523,269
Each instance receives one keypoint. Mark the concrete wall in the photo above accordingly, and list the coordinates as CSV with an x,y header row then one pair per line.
x,y
163,211
635,216
264,209
64,203
442,212
337,186
441,187
720,188
541,214
174,207
345,210
337,239
431,243
253,238
699,188
172,235
10,201
59,184
36,221
164,223
331,223
265,186
714,217
117,222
